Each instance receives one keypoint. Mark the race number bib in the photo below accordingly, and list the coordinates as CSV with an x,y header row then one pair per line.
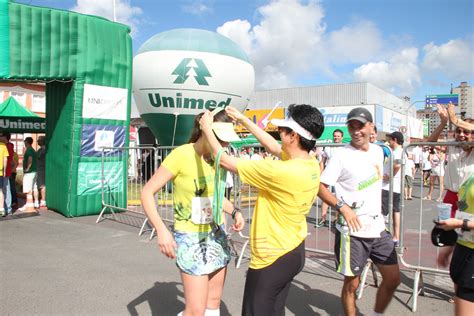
x,y
371,226
201,210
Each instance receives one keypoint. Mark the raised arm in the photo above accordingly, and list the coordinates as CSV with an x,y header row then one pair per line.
x,y
226,161
267,140
443,115
456,120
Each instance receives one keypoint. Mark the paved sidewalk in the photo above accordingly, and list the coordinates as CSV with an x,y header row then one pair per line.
x,y
52,265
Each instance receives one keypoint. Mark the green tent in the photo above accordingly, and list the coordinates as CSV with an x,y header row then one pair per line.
x,y
15,118
246,142
86,65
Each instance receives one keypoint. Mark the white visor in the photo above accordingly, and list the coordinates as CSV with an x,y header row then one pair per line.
x,y
294,126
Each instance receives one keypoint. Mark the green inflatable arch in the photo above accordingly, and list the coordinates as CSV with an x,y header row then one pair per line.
x,y
86,63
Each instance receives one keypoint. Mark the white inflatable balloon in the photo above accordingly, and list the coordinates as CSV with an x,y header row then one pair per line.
x,y
180,73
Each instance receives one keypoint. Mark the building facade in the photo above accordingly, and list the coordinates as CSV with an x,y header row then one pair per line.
x,y
466,100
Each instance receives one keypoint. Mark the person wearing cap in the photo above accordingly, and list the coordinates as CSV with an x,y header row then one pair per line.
x,y
356,172
287,190
395,142
199,243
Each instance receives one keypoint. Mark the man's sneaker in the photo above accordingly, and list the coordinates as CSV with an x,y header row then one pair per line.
x,y
2,213
43,204
37,204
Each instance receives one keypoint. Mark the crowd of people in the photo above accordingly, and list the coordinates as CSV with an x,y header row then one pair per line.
x,y
353,180
33,168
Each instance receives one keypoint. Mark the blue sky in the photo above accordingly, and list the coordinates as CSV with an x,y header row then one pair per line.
x,y
407,47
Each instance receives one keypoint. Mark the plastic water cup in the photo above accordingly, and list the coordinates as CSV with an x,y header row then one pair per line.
x,y
444,211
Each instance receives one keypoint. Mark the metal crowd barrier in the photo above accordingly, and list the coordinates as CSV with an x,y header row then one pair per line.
x,y
419,240
143,161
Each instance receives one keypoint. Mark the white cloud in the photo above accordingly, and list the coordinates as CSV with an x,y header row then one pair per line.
x,y
283,43
399,75
239,32
454,59
356,43
197,8
124,11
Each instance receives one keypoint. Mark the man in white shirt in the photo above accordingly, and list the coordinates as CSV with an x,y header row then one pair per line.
x,y
328,152
356,172
395,141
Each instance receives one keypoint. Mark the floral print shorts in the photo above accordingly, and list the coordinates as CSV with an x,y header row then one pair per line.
x,y
201,253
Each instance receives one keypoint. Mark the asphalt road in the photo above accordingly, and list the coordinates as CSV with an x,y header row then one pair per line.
x,y
52,265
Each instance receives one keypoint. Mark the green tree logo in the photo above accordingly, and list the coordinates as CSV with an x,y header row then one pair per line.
x,y
191,67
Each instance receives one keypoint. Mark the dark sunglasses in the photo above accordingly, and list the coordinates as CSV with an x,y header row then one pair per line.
x,y
465,131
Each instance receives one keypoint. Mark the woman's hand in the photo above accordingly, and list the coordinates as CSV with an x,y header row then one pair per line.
x,y
442,112
167,244
450,223
235,114
239,222
206,121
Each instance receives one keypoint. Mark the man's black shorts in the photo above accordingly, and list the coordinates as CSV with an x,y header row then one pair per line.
x,y
352,252
462,272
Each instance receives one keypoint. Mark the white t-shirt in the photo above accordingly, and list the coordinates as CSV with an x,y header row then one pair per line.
x,y
416,152
409,164
425,158
460,165
357,178
397,155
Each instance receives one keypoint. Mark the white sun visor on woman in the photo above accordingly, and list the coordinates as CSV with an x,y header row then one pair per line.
x,y
289,122
225,132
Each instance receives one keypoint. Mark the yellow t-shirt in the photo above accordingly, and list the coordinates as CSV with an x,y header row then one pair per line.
x,y
3,155
466,210
287,190
193,177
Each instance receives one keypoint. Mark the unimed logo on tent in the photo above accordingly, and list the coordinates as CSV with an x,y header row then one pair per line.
x,y
19,124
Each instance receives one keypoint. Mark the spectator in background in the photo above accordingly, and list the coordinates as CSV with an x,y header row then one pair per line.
x,y
29,176
410,171
12,179
417,157
3,178
395,141
373,140
41,170
5,138
328,152
460,159
426,165
436,159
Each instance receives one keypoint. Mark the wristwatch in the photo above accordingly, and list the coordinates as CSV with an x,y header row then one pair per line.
x,y
339,205
464,226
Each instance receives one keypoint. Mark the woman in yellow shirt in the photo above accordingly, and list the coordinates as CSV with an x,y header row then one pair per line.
x,y
287,190
200,248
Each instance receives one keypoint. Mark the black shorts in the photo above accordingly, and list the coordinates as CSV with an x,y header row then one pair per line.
x,y
266,289
352,252
462,272
396,202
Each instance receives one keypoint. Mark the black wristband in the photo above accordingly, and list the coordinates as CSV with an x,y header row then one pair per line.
x,y
236,209
465,227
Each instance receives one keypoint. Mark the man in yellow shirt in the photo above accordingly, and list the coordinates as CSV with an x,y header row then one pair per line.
x,y
3,167
287,190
